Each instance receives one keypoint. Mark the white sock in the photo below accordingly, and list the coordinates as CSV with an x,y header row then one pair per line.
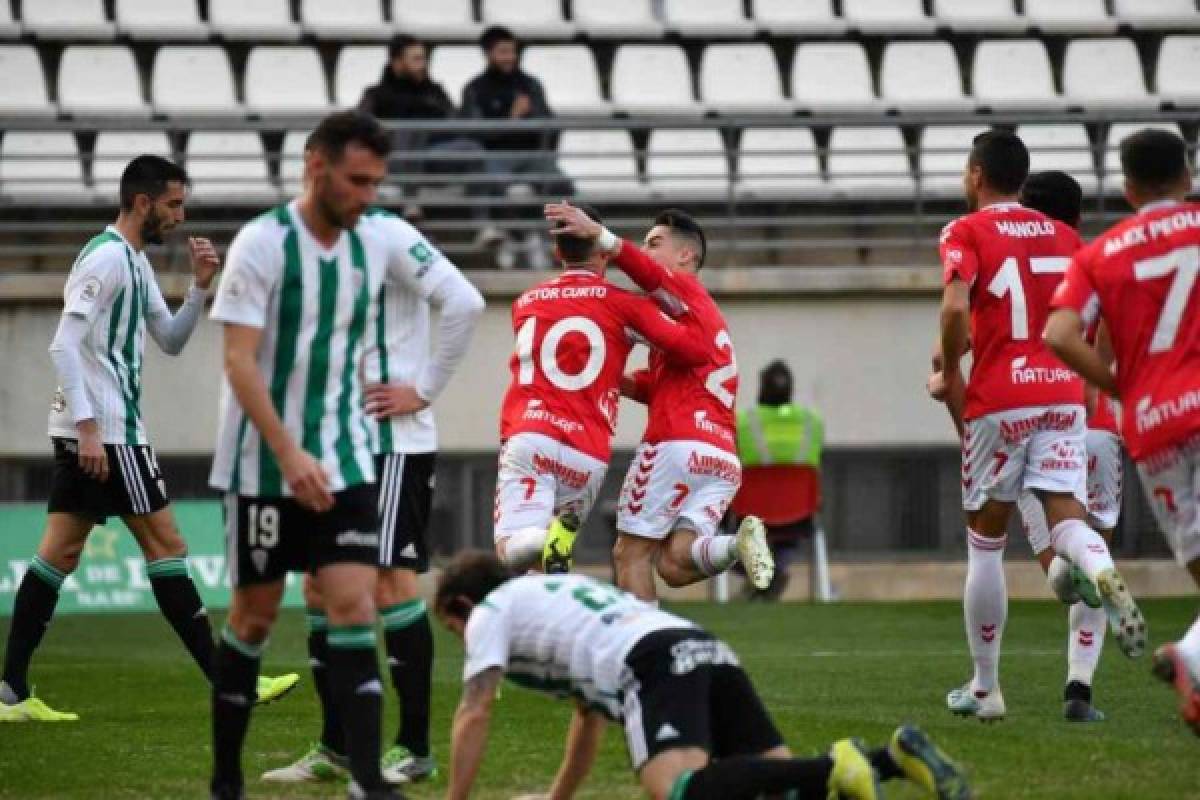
x,y
1074,540
1059,577
1084,642
1189,646
985,607
713,555
524,547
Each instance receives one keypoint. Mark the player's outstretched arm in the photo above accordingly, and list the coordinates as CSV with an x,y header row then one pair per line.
x,y
682,341
1064,335
583,743
172,331
469,733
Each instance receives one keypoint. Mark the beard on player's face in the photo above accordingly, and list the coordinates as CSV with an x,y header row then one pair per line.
x,y
153,227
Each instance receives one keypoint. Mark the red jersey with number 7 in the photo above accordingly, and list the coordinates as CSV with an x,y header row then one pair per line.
x,y
1012,258
685,401
1140,275
574,334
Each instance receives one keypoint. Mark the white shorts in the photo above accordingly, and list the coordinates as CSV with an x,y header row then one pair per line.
x,y
1170,481
679,484
1041,447
540,478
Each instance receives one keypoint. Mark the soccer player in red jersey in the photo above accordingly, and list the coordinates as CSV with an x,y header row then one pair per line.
x,y
1023,410
573,336
1140,278
686,470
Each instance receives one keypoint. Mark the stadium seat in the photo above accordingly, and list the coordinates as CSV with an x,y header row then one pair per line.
x,y
66,19
40,163
114,150
616,19
445,19
9,27
601,163
193,80
1105,73
1014,73
832,77
1061,147
568,74
687,162
988,16
261,19
1069,16
1149,14
227,164
344,19
100,79
533,19
887,16
942,157
789,17
869,162
711,19
669,93
922,76
1113,179
291,162
778,162
23,90
160,19
454,65
358,66
1177,76
741,78
285,79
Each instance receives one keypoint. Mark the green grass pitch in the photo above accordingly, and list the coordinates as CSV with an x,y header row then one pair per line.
x,y
825,672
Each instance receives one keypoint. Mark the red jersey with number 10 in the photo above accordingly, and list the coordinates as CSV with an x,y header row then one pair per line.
x,y
1013,258
574,334
1140,276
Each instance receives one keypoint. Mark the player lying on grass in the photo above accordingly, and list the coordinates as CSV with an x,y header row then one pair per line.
x,y
694,726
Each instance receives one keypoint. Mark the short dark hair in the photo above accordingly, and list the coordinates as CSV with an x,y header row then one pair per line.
x,y
494,35
1154,160
775,384
684,225
1054,193
573,249
345,127
1003,158
472,574
148,175
401,42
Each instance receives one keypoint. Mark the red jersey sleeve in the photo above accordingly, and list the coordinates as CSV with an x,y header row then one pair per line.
x,y
1076,291
680,341
960,259
643,270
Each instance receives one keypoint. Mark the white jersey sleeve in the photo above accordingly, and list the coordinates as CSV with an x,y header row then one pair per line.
x,y
252,268
172,331
487,636
94,281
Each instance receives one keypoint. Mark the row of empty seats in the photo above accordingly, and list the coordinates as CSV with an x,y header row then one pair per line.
x,y
450,19
835,76
870,162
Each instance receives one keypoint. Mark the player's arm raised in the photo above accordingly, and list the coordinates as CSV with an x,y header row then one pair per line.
x,y
172,331
682,341
583,743
1075,305
470,729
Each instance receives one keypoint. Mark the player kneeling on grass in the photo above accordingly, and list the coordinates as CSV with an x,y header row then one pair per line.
x,y
627,662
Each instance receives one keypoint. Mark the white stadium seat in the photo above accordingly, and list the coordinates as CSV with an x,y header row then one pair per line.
x,y
445,19
568,74
358,66
1069,16
887,16
100,79
40,163
193,80
344,19
741,78
1113,178
291,162
115,149
616,19
1105,73
832,77
670,92
988,16
537,19
1177,76
600,163
285,79
690,162
9,28
869,162
454,66
227,163
66,19
808,17
922,76
942,157
1014,73
23,90
260,19
1174,14
1061,147
778,162
160,19
709,19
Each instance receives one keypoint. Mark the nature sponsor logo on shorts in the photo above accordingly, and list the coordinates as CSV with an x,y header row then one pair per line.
x,y
1015,431
714,466
1151,415
535,413
569,476
1023,374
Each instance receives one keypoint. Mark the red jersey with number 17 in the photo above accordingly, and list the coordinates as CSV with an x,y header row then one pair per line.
x,y
574,334
1140,275
1013,259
